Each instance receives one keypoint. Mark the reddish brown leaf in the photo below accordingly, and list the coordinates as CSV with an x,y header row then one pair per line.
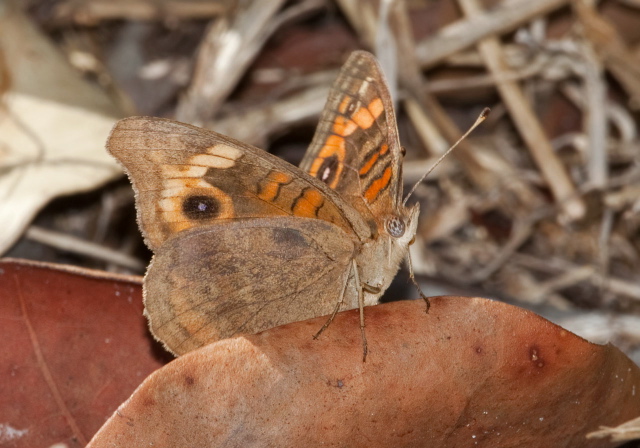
x,y
471,372
75,346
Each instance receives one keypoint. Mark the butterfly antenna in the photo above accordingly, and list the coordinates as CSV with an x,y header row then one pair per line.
x,y
483,115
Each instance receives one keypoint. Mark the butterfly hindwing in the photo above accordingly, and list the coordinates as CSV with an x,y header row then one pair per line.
x,y
210,283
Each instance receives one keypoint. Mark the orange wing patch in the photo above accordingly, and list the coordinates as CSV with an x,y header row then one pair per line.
x,y
363,118
378,185
376,107
366,116
343,126
373,159
308,204
270,189
344,105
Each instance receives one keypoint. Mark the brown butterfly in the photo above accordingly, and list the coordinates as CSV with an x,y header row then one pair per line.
x,y
244,241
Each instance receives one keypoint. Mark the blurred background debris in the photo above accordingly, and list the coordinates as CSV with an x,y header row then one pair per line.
x,y
540,206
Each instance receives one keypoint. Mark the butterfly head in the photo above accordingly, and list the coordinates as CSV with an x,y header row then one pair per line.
x,y
401,226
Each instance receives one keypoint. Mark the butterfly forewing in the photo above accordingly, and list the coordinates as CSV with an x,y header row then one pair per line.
x,y
188,177
355,149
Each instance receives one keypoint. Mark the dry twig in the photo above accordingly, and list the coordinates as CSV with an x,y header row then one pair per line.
x,y
528,125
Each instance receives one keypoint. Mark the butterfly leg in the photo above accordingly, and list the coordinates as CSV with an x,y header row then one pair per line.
x,y
336,309
365,348
415,283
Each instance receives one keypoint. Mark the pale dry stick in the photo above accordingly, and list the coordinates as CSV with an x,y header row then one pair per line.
x,y
228,49
520,234
76,245
606,227
566,279
612,284
506,17
624,433
363,17
528,125
414,82
385,48
592,100
624,123
622,287
625,197
290,82
93,11
425,127
616,56
478,81
618,116
447,218
229,46
595,123
601,328
255,125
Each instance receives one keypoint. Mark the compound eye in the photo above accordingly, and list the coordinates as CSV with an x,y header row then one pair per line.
x,y
396,227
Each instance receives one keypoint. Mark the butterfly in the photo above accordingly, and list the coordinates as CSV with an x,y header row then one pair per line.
x,y
244,241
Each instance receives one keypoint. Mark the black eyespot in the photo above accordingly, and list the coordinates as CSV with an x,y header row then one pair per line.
x,y
200,207
351,108
327,171
403,151
396,227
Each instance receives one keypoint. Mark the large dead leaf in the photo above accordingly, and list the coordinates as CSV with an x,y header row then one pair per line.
x,y
75,346
53,126
471,372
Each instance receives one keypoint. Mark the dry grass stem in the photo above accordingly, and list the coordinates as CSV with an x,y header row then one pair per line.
x,y
453,38
254,126
78,246
623,433
94,11
611,49
528,125
225,53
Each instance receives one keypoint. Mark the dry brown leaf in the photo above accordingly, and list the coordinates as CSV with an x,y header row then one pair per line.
x,y
53,126
472,371
76,346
